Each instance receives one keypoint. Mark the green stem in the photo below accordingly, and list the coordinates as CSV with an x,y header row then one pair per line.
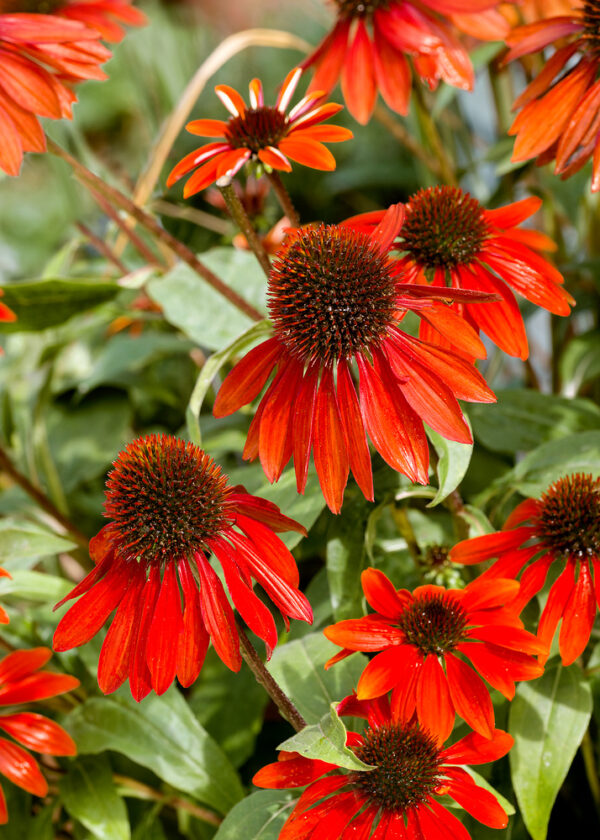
x,y
264,678
238,213
433,138
398,131
284,198
400,517
591,771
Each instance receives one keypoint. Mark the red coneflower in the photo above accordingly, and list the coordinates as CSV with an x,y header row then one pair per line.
x,y
335,301
41,57
562,527
171,508
450,239
560,110
398,798
422,638
21,681
262,133
371,39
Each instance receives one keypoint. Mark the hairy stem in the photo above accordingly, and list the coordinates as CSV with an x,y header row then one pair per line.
x,y
42,500
144,791
182,251
238,213
277,695
284,199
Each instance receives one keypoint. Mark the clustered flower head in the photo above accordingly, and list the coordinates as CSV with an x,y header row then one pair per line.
x,y
374,43
561,529
344,369
449,239
397,798
22,682
170,509
262,133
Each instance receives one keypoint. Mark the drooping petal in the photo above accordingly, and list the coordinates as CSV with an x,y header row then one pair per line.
x,y
356,439
120,641
38,733
194,639
558,598
478,749
139,674
247,378
386,669
329,444
480,803
469,696
163,634
578,617
435,709
358,75
218,616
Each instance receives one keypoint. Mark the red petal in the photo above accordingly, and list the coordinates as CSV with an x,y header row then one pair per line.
x,y
354,431
558,598
276,418
578,617
439,824
386,670
470,696
271,548
139,673
21,768
477,749
477,801
392,72
294,772
120,641
303,425
508,637
163,634
309,152
381,594
218,616
358,76
193,641
329,444
38,733
21,663
485,594
261,510
482,548
207,128
367,634
435,709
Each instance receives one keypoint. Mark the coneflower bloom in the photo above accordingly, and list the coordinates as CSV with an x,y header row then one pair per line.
x,y
449,239
398,799
335,302
21,681
41,57
262,133
562,528
171,509
372,40
559,117
422,640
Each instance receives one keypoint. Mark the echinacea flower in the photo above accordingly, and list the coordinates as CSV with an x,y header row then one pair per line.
x,y
562,528
449,238
262,133
372,40
559,117
422,640
335,302
171,509
41,58
21,681
399,797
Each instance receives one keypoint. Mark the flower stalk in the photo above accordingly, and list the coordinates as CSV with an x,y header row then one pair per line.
x,y
239,215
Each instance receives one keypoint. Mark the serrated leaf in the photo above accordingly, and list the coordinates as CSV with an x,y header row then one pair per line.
x,y
548,719
523,419
41,304
453,463
325,741
204,315
298,668
160,733
89,794
258,817
20,538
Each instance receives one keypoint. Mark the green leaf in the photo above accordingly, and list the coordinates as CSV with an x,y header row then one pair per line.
x,y
205,316
211,368
20,538
85,439
160,733
325,741
215,700
453,463
580,362
523,419
37,586
548,719
534,474
47,303
260,816
89,794
298,667
345,554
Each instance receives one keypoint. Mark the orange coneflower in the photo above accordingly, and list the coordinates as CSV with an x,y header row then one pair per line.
x,y
372,41
262,133
170,509
559,117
